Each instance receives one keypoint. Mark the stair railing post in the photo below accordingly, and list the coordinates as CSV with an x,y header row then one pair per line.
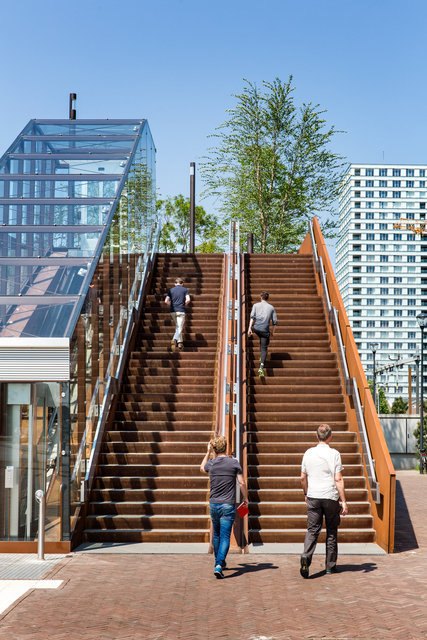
x,y
192,205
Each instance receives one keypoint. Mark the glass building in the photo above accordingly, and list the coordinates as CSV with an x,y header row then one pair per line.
x,y
77,205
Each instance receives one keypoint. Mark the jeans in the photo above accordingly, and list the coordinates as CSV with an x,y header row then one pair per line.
x,y
179,319
316,509
222,516
264,341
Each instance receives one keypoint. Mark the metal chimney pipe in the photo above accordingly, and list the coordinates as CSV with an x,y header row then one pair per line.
x,y
72,111
250,243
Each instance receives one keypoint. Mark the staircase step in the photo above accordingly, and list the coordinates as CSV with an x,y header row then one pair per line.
x,y
153,483
150,448
298,535
265,496
290,521
146,535
148,522
149,487
146,509
294,508
292,470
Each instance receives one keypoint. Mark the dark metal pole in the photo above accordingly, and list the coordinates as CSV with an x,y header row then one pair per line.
x,y
250,244
375,386
417,385
65,462
192,205
422,404
72,111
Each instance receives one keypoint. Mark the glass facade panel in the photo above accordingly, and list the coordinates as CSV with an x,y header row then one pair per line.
x,y
59,174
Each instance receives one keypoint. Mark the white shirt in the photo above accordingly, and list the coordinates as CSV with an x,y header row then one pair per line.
x,y
321,463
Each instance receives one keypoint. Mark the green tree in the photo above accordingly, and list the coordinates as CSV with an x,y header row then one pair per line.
x,y
175,235
272,167
399,405
417,430
381,398
134,213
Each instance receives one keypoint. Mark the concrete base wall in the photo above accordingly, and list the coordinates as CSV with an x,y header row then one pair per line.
x,y
404,461
399,435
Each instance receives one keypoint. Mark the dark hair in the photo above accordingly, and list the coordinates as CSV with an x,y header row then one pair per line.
x,y
323,432
264,295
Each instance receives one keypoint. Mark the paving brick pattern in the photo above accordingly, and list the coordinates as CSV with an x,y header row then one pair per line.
x,y
263,596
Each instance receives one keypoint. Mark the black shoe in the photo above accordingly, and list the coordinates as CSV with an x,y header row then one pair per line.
x,y
330,571
304,564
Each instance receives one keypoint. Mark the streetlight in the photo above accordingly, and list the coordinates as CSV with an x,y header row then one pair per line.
x,y
422,321
373,347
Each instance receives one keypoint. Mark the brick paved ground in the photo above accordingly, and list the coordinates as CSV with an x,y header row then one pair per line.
x,y
176,597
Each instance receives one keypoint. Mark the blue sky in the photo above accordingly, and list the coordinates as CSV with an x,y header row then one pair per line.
x,y
178,62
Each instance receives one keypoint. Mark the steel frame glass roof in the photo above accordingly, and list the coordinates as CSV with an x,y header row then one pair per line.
x,y
60,184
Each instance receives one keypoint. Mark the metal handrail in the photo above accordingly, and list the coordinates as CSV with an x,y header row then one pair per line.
x,y
113,377
231,378
225,351
237,311
350,384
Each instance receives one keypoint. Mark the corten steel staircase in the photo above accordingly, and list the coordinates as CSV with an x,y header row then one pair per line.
x,y
301,389
148,485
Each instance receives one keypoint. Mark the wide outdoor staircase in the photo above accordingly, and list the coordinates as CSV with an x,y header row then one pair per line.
x,y
148,486
301,390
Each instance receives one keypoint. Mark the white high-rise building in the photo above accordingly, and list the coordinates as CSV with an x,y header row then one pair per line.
x,y
381,269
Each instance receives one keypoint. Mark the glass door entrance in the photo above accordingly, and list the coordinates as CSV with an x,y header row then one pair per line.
x,y
30,437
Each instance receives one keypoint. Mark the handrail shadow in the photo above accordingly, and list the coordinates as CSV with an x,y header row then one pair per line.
x,y
404,534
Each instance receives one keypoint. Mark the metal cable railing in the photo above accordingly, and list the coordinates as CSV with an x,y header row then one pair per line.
x,y
350,384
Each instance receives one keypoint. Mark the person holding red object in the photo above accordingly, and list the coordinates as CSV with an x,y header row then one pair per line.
x,y
223,471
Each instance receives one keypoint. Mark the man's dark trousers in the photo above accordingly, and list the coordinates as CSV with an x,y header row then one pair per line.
x,y
264,341
316,509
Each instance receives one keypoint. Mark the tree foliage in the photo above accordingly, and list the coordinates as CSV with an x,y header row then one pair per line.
x,y
175,237
381,400
417,431
272,167
399,406
134,213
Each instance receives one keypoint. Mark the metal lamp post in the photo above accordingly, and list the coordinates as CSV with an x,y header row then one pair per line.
x,y
422,321
373,347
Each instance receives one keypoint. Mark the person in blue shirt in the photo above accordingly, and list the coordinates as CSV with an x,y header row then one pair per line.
x,y
177,299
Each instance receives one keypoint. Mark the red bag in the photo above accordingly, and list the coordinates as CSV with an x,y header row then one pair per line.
x,y
243,510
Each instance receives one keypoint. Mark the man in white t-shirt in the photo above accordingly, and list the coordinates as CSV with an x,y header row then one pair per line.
x,y
323,486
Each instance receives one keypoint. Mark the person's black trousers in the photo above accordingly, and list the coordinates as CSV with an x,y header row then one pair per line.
x,y
264,341
316,509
